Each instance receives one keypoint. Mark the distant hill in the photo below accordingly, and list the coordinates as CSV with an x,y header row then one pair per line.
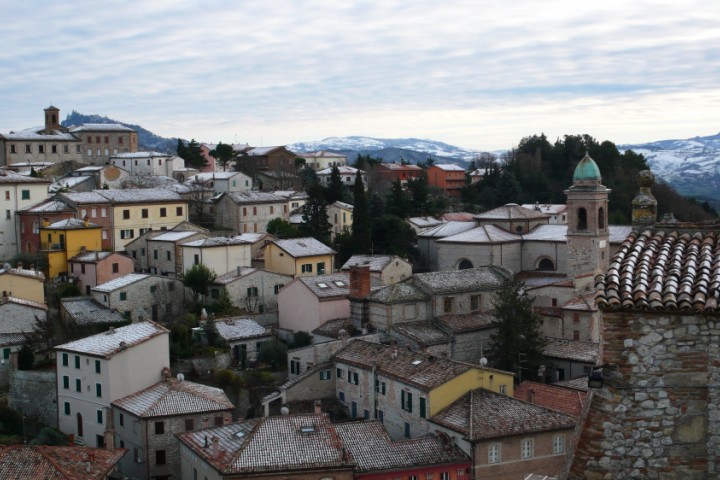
x,y
147,141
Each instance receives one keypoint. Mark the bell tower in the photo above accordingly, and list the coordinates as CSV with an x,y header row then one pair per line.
x,y
52,119
588,234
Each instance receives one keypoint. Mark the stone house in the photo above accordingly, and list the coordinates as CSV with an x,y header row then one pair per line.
x,y
164,254
244,336
148,164
147,422
91,269
100,141
422,224
402,389
22,283
219,254
568,359
260,448
251,289
141,296
85,314
17,192
255,160
307,302
138,248
32,462
17,317
249,212
385,269
93,372
506,438
299,257
314,384
104,175
340,215
219,182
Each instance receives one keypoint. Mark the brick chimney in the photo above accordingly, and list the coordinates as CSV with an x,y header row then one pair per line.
x,y
318,407
359,281
215,452
109,436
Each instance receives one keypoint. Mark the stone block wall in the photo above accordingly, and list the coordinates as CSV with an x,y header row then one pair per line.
x,y
34,393
658,415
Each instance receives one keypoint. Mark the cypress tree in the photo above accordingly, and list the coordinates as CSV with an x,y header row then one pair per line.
x,y
361,231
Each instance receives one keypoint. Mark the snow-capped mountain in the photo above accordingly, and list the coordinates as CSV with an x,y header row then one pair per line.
x,y
388,149
691,166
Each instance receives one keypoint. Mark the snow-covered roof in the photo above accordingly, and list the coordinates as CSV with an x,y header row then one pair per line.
x,y
547,233
174,397
10,177
69,182
238,328
547,208
425,222
343,205
90,168
24,272
343,169
483,234
48,206
108,343
22,301
174,236
121,282
135,195
399,293
141,155
71,224
259,151
304,247
88,311
91,256
250,198
447,229
489,277
39,133
101,127
511,211
376,262
84,197
449,167
207,176
216,242
398,166
329,285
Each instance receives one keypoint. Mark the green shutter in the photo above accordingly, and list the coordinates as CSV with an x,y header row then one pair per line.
x,y
422,407
402,399
409,401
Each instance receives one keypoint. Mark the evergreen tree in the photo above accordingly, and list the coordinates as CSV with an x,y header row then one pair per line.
x,y
517,342
392,235
281,228
315,217
397,202
223,154
336,189
308,177
191,153
361,228
419,189
198,279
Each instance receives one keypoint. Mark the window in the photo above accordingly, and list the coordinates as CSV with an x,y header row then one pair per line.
x,y
26,194
97,366
159,457
77,361
215,294
252,292
67,408
7,194
89,152
380,387
475,302
159,428
66,382
126,214
82,268
97,139
123,295
254,210
8,215
124,234
121,420
406,401
321,268
98,390
447,304
163,212
422,407
12,148
559,444
189,424
41,148
407,430
65,360
601,217
306,268
115,267
178,211
340,373
99,415
167,255
145,213
78,385
582,219
295,367
576,335
219,421
494,453
576,318
53,148
103,212
196,260
66,149
502,390
526,448
155,254
277,288
324,374
353,378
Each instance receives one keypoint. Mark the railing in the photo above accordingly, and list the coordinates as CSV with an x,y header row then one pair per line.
x,y
52,246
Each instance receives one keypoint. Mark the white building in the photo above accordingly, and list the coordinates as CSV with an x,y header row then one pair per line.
x,y
347,175
16,192
148,163
95,371
219,254
220,182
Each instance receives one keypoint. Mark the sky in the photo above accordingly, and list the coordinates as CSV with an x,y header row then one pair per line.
x,y
477,74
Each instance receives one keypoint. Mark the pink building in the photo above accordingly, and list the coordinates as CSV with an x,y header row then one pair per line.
x,y
91,269
308,302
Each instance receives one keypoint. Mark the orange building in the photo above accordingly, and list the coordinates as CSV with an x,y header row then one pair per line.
x,y
448,177
396,171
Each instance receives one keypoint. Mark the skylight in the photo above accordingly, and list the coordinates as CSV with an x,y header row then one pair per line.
x,y
307,429
339,283
417,362
322,285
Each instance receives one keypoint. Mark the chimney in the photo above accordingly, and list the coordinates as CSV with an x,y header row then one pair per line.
x,y
531,396
215,447
86,221
109,435
318,407
45,221
359,281
644,205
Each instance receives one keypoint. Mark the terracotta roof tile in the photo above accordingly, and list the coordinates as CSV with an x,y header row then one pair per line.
x,y
467,322
571,350
558,398
424,333
174,397
40,462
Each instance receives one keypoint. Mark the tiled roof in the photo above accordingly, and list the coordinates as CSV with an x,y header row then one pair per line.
x,y
547,208
343,169
249,198
7,339
69,182
271,444
449,167
510,211
207,176
483,234
88,311
174,397
234,274
489,277
174,236
108,343
399,167
571,350
238,328
211,242
260,151
424,333
584,302
375,262
425,222
91,256
458,217
467,322
447,229
304,247
101,127
554,397
663,271
39,133
547,233
10,177
413,368
71,224
580,383
81,198
399,293
328,286
120,282
332,328
23,272
42,462
50,205
372,449
23,302
140,155
495,416
136,195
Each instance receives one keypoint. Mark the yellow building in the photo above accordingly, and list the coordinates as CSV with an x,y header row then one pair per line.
x,y
299,257
63,240
22,283
340,215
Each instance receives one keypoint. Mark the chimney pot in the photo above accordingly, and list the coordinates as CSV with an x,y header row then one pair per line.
x,y
318,407
215,447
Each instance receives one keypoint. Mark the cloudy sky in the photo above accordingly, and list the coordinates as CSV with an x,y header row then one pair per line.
x,y
477,74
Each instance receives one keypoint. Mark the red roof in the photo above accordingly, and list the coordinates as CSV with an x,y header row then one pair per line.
x,y
561,399
39,462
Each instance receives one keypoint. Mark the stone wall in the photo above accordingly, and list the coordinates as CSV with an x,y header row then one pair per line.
x,y
658,415
34,393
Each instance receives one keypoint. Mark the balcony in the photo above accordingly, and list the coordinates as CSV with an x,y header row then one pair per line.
x,y
52,246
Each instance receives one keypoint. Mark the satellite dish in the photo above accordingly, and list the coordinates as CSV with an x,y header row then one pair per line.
x,y
483,361
180,377
284,410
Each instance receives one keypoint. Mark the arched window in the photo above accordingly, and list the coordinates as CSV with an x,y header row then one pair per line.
x,y
54,119
582,219
546,264
519,229
465,264
601,217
